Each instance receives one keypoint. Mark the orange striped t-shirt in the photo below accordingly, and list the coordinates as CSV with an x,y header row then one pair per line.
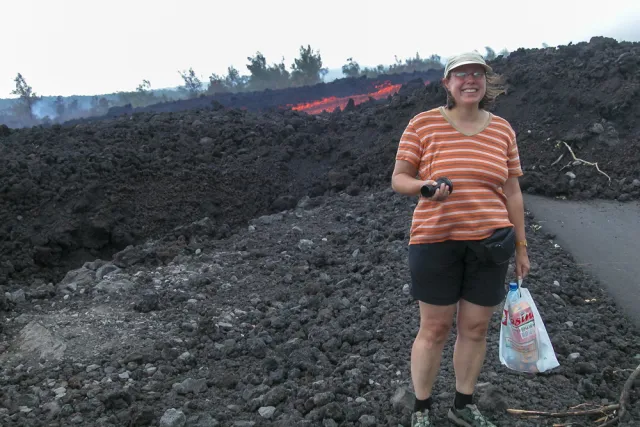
x,y
478,165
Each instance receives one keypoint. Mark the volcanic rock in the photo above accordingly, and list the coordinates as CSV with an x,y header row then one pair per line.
x,y
259,278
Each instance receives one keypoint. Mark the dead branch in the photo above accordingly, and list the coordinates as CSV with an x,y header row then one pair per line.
x,y
559,158
580,405
584,161
565,166
621,407
593,411
622,370
605,418
624,398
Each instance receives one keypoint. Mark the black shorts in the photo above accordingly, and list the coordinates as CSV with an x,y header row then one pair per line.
x,y
443,273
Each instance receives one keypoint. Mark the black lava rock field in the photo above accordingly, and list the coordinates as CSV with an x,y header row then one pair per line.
x,y
222,267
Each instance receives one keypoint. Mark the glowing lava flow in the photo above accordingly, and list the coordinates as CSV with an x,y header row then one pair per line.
x,y
331,103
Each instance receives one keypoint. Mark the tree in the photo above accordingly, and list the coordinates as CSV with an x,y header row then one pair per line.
x,y
279,76
258,68
73,107
307,69
262,76
374,72
99,106
232,82
192,84
59,106
504,52
216,84
351,68
141,97
27,97
144,87
436,60
416,64
491,54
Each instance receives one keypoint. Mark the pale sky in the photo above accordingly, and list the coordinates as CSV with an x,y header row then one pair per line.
x,y
86,47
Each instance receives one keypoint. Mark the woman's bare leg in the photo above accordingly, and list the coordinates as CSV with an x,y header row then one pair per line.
x,y
426,353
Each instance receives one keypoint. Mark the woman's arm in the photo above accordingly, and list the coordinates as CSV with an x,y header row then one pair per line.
x,y
404,181
515,207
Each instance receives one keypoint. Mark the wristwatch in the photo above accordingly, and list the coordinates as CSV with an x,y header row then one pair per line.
x,y
522,243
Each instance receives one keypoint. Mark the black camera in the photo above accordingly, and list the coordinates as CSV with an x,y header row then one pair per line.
x,y
430,190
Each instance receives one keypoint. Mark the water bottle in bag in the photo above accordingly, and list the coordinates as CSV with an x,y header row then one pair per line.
x,y
521,340
525,345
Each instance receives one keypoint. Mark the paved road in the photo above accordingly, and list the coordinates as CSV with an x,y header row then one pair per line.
x,y
602,235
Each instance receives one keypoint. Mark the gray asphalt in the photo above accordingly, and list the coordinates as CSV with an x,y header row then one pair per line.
x,y
603,237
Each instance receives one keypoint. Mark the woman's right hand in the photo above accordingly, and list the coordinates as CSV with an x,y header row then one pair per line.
x,y
441,193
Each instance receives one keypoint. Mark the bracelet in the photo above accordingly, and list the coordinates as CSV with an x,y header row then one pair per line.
x,y
522,243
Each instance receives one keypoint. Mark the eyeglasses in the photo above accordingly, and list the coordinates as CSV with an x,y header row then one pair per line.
x,y
464,74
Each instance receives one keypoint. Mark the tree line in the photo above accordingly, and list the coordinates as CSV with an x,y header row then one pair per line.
x,y
306,69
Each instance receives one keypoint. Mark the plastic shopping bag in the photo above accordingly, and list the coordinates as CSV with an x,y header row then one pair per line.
x,y
524,342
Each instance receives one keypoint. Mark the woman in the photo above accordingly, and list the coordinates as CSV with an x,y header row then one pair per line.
x,y
477,152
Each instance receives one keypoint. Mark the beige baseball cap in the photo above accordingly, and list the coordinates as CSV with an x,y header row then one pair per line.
x,y
464,59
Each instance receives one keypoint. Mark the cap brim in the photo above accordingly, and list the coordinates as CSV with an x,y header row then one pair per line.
x,y
486,67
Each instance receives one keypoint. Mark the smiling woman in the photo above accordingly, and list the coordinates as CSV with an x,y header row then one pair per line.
x,y
483,87
477,152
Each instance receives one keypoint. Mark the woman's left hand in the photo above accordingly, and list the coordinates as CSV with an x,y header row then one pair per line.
x,y
522,263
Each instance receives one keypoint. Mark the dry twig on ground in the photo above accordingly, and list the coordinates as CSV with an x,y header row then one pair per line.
x,y
598,410
620,407
556,162
584,161
624,398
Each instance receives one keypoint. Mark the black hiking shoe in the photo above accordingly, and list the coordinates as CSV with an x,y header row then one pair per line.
x,y
469,416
